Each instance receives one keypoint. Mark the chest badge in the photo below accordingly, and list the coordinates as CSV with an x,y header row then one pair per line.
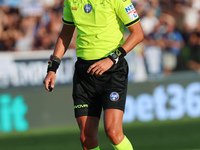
x,y
87,8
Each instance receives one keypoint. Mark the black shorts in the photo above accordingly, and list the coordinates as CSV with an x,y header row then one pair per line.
x,y
91,93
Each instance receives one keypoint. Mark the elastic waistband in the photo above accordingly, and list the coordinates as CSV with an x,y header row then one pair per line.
x,y
88,61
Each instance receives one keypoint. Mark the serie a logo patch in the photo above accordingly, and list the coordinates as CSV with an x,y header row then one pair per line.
x,y
87,8
131,12
114,96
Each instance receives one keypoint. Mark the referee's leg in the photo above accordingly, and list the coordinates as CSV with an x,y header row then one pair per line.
x,y
114,130
88,126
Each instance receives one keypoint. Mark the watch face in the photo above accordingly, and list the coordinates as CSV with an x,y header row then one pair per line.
x,y
115,56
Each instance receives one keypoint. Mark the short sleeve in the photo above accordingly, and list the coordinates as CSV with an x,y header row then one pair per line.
x,y
126,12
67,15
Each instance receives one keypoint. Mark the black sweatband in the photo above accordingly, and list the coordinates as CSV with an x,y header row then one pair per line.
x,y
118,54
54,63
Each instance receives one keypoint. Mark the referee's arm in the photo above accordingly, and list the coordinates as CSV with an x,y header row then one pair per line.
x,y
135,37
63,40
61,46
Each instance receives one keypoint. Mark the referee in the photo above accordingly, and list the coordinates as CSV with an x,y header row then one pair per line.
x,y
100,77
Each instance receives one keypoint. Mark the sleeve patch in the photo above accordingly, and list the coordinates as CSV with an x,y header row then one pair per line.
x,y
131,12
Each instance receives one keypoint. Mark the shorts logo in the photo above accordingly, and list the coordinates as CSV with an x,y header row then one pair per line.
x,y
81,106
114,96
131,11
88,8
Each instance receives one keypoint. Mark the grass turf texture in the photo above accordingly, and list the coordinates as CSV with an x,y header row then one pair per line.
x,y
182,134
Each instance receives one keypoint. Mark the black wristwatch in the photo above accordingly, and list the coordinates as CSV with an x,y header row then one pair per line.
x,y
118,54
114,57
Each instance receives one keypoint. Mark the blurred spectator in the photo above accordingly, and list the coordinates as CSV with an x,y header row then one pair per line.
x,y
25,37
178,14
153,50
149,21
9,19
191,15
173,43
194,44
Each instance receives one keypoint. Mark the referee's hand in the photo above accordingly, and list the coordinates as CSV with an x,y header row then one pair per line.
x,y
100,67
49,81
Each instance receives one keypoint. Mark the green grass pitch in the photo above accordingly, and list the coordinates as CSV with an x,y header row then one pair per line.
x,y
182,134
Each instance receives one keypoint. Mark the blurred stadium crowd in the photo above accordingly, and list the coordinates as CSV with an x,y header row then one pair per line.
x,y
171,28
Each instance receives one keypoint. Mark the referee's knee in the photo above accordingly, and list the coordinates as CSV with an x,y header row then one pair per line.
x,y
114,136
88,137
